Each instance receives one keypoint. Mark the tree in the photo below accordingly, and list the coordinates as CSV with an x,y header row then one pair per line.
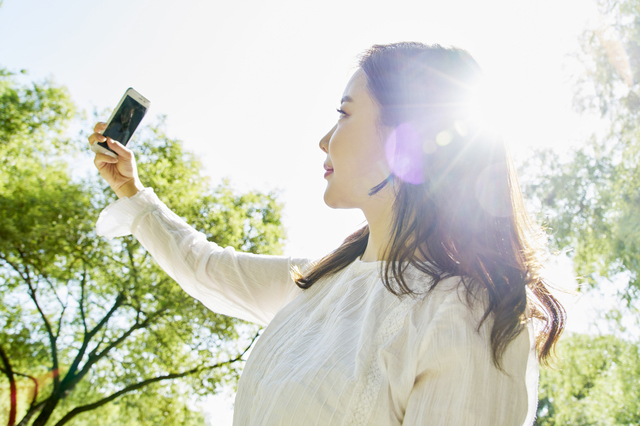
x,y
86,323
591,202
597,383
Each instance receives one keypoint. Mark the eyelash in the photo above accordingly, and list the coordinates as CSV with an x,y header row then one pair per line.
x,y
341,112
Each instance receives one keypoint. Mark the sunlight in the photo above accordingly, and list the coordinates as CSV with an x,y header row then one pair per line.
x,y
485,111
488,107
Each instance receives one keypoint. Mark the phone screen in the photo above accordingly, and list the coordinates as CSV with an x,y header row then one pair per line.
x,y
125,121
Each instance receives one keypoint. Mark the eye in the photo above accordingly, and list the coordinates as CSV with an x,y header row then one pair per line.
x,y
341,112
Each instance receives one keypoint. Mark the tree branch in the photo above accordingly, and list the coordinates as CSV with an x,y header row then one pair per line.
x,y
64,308
35,386
13,391
42,274
13,266
70,378
51,286
119,301
136,326
35,389
147,382
32,411
52,338
83,282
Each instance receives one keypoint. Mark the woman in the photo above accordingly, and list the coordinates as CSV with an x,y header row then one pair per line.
x,y
424,316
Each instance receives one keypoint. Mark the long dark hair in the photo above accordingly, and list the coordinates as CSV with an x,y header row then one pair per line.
x,y
457,203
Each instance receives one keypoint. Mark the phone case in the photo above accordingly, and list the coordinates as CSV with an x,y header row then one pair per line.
x,y
101,147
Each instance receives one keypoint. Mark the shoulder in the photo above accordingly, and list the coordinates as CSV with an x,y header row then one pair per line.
x,y
449,294
461,293
450,313
448,324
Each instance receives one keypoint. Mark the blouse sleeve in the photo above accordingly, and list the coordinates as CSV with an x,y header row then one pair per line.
x,y
243,285
456,382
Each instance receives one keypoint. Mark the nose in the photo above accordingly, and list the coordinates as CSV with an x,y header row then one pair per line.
x,y
324,142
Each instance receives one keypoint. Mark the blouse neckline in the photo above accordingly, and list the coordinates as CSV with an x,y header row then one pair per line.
x,y
359,265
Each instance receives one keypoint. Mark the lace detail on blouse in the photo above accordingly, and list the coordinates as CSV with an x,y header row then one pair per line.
x,y
366,391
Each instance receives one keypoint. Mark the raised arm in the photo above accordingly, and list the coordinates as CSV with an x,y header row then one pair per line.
x,y
247,286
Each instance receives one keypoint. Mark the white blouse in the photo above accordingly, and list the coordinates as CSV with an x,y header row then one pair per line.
x,y
346,351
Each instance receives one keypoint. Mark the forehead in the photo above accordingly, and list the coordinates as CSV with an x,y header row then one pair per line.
x,y
356,86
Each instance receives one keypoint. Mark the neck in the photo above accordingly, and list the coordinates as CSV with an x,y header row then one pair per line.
x,y
379,214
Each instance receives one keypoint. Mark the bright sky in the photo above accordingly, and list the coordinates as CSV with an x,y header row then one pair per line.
x,y
252,86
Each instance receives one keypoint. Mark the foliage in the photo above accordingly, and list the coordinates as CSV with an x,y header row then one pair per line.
x,y
32,112
597,383
91,330
591,202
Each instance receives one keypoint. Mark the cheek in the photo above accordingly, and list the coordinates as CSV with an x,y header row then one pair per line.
x,y
371,157
354,143
357,151
359,166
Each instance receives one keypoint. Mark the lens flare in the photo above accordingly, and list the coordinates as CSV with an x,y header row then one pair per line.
x,y
429,146
404,153
444,138
616,53
461,128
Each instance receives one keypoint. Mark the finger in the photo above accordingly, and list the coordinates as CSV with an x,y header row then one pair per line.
x,y
118,148
102,159
96,137
99,127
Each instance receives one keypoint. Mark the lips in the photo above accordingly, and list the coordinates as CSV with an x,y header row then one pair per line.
x,y
328,170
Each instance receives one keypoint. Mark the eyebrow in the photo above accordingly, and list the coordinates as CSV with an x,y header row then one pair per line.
x,y
346,99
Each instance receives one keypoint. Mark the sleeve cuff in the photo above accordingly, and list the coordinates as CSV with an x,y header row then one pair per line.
x,y
122,217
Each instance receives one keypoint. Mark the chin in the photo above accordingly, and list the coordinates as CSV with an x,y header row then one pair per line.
x,y
337,203
330,202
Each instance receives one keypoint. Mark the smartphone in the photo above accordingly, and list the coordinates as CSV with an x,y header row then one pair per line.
x,y
124,120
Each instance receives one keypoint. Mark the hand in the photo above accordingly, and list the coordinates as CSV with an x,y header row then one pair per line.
x,y
120,173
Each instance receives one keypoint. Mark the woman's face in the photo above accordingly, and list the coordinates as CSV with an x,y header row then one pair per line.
x,y
355,151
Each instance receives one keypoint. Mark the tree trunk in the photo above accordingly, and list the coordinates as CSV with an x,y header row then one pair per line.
x,y
47,410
